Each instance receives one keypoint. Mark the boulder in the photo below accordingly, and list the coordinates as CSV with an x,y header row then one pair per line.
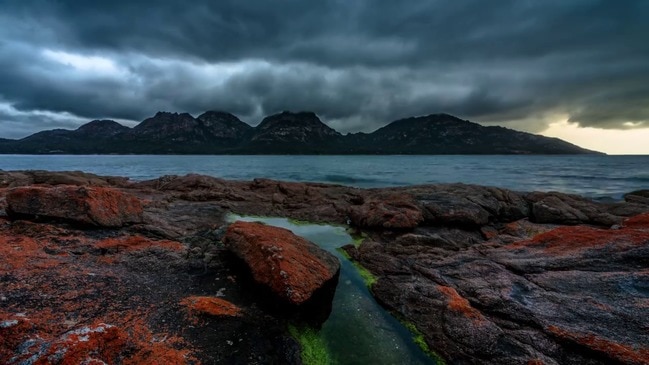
x,y
95,206
292,267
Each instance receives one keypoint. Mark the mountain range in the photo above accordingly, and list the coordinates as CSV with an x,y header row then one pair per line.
x,y
216,132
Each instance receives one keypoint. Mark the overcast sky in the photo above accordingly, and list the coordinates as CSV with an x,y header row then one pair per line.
x,y
530,65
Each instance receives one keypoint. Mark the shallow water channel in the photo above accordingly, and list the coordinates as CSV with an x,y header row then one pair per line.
x,y
359,330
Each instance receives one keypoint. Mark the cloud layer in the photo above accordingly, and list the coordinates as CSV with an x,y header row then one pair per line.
x,y
358,64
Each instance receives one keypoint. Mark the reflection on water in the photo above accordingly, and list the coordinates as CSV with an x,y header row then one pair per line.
x,y
358,331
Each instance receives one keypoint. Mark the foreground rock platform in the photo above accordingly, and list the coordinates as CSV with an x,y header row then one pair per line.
x,y
487,275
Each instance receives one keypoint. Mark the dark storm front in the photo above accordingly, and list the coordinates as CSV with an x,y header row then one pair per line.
x,y
595,176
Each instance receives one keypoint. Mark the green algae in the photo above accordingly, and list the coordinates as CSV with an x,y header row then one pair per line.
x,y
297,222
419,340
314,350
368,278
357,237
358,330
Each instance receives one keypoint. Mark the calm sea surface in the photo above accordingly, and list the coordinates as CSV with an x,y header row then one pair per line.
x,y
593,176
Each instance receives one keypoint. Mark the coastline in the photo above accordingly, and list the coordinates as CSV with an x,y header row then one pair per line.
x,y
486,275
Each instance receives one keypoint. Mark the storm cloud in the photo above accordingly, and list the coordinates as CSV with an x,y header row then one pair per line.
x,y
358,64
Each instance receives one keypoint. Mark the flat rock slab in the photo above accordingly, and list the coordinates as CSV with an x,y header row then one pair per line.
x,y
292,267
95,206
569,295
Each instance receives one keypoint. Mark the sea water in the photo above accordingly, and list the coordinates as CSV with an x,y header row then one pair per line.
x,y
594,176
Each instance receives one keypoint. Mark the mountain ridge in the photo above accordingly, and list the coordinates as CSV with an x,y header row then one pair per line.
x,y
219,132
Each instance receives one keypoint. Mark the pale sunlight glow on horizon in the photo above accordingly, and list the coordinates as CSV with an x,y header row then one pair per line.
x,y
610,141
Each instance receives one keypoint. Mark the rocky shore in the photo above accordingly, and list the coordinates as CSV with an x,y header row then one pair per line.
x,y
102,270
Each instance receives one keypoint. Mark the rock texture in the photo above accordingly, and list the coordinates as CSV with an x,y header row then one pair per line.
x,y
211,306
97,206
487,275
391,212
292,267
569,295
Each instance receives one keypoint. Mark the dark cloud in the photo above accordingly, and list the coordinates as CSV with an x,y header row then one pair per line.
x,y
359,64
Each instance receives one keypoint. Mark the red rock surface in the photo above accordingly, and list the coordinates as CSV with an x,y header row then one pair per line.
x,y
481,272
62,303
568,240
626,354
106,207
292,267
211,305
640,221
572,294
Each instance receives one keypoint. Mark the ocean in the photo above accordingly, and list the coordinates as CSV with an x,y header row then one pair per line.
x,y
598,177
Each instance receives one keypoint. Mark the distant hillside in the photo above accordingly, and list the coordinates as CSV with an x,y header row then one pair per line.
x,y
216,132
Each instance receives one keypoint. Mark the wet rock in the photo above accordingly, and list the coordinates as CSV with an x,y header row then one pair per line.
x,y
96,206
292,267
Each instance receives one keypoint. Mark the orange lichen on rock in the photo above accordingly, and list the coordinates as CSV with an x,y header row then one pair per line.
x,y
135,243
292,267
637,355
100,343
640,221
211,305
98,206
524,228
459,304
564,240
65,303
18,251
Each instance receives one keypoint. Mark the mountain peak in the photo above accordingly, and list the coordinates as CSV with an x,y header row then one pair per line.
x,y
295,120
168,115
301,127
223,125
101,128
287,132
212,117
